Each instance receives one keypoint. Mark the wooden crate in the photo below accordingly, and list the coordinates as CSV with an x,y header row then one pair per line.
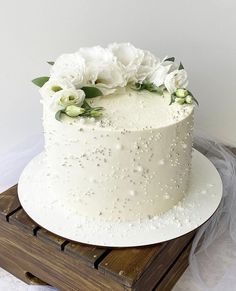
x,y
35,256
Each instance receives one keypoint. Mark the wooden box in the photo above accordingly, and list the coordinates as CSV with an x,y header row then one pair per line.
x,y
37,256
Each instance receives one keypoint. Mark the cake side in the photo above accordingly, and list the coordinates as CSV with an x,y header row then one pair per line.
x,y
125,167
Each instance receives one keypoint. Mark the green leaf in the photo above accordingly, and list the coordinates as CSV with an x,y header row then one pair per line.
x,y
58,115
172,100
155,89
98,108
91,92
171,59
181,67
151,87
51,63
40,81
93,112
86,105
194,99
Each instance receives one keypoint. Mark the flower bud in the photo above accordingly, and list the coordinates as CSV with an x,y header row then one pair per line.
x,y
95,113
180,100
181,93
74,111
189,99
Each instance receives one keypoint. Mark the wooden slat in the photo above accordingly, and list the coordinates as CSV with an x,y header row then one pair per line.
x,y
26,253
23,221
175,272
127,265
51,238
88,254
9,202
142,267
163,262
15,267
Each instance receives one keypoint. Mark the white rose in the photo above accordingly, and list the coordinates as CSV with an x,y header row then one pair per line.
x,y
128,57
161,71
54,85
63,98
101,69
176,79
70,67
147,67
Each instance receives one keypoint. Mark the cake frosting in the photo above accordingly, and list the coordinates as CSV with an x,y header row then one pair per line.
x,y
133,163
118,132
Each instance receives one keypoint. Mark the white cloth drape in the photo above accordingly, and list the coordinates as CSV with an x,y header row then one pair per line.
x,y
214,247
212,262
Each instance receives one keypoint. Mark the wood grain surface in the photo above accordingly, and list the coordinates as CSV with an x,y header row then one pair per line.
x,y
36,255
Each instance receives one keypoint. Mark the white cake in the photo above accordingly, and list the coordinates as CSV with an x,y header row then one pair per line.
x,y
129,163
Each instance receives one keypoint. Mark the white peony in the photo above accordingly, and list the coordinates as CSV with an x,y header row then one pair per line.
x,y
54,85
128,57
147,67
70,67
63,98
102,69
176,79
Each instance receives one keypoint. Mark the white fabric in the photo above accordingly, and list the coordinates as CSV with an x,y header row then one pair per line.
x,y
217,237
13,162
212,265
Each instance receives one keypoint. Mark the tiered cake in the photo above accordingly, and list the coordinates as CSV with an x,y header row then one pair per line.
x,y
118,132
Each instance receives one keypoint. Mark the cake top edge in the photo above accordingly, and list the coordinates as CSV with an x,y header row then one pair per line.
x,y
127,110
96,71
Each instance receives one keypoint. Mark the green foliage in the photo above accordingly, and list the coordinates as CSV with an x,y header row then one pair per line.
x,y
40,81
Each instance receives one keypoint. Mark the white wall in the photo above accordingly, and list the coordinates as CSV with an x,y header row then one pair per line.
x,y
200,33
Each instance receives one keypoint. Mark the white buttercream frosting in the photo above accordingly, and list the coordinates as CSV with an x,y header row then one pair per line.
x,y
132,163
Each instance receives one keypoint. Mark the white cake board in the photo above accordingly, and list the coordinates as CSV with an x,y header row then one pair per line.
x,y
199,204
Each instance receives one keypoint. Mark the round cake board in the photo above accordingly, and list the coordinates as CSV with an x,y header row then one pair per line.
x,y
42,205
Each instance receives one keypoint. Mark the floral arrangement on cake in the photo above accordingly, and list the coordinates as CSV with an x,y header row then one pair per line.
x,y
96,71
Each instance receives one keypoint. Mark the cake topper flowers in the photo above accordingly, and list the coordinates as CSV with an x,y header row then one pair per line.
x,y
97,71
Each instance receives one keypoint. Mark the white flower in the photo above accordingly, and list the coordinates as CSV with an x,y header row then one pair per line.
x,y
172,65
159,75
70,67
147,67
162,69
101,68
54,85
176,79
128,57
63,98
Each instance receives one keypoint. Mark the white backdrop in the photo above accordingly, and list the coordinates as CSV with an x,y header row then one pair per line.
x,y
200,33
